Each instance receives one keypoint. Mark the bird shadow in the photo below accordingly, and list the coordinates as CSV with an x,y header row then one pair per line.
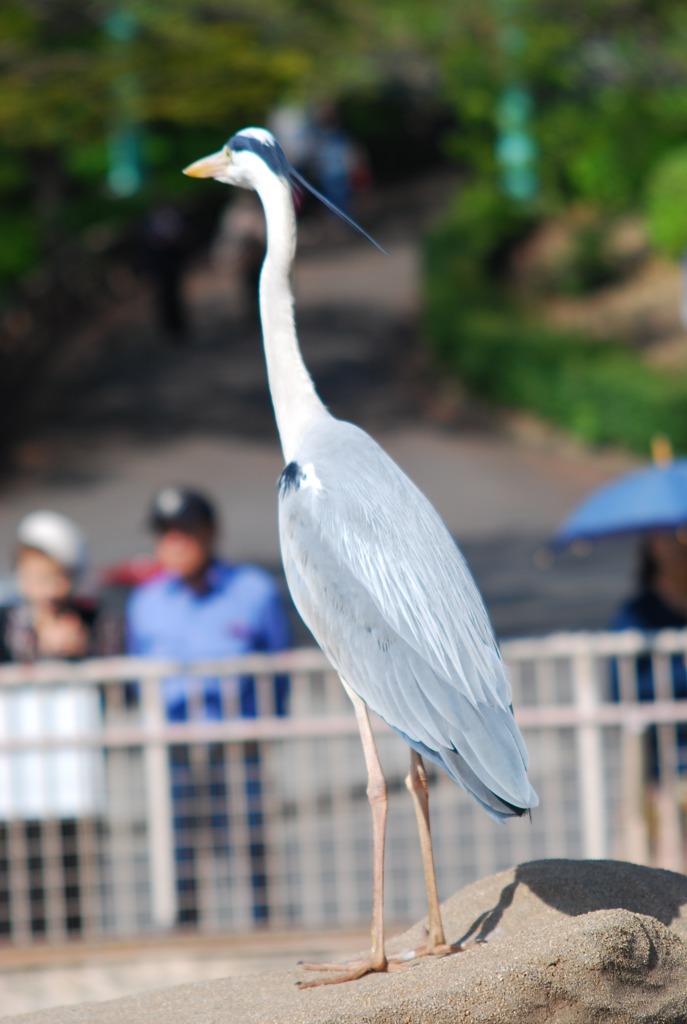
x,y
581,887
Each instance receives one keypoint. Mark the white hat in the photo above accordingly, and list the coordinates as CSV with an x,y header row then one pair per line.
x,y
56,536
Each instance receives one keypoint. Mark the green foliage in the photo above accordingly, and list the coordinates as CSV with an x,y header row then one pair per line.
x,y
476,241
666,203
398,125
589,264
19,243
602,392
178,76
68,77
607,82
172,78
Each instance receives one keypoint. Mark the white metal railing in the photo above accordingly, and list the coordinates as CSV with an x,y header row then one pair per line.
x,y
276,817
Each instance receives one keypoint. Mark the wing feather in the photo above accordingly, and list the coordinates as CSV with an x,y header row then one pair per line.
x,y
387,594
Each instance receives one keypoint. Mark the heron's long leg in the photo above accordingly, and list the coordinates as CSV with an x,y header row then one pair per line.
x,y
377,795
416,782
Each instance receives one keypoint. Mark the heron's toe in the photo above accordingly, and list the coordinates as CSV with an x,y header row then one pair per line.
x,y
350,971
428,949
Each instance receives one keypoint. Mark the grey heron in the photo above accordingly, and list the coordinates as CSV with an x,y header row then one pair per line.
x,y
376,575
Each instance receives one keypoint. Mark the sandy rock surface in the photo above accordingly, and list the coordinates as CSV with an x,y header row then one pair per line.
x,y
570,942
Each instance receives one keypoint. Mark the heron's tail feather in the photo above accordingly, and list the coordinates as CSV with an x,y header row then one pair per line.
x,y
460,771
488,743
497,807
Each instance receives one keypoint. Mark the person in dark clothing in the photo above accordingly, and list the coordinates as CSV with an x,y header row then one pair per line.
x,y
659,603
661,598
166,252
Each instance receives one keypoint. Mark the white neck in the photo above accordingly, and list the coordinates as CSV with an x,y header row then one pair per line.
x,y
296,403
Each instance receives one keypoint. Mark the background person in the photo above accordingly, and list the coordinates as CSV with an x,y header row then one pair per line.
x,y
661,598
333,157
51,620
660,602
239,248
62,785
166,250
205,607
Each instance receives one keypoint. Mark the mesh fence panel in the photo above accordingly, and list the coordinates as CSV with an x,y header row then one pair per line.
x,y
114,822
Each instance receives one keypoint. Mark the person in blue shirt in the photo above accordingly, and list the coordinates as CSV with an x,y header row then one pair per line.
x,y
201,607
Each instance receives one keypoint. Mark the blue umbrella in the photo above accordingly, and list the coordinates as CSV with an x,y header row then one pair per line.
x,y
653,498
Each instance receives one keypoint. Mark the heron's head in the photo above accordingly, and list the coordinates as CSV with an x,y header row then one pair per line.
x,y
243,160
253,159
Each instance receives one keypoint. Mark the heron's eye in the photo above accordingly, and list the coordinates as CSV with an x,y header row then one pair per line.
x,y
227,152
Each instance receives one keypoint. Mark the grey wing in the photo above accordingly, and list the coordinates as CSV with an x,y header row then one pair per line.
x,y
383,587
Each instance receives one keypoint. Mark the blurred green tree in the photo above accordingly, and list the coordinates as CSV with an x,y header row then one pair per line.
x,y
607,77
606,80
666,203
70,92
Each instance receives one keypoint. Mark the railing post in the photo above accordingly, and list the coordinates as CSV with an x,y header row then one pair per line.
x,y
159,804
635,839
590,759
669,831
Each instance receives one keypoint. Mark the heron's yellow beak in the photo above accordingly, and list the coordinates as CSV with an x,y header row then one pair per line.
x,y
209,166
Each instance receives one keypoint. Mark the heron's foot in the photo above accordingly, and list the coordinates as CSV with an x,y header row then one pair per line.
x,y
430,948
350,971
354,969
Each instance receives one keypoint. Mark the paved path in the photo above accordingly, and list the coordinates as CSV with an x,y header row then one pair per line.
x,y
41,978
127,412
